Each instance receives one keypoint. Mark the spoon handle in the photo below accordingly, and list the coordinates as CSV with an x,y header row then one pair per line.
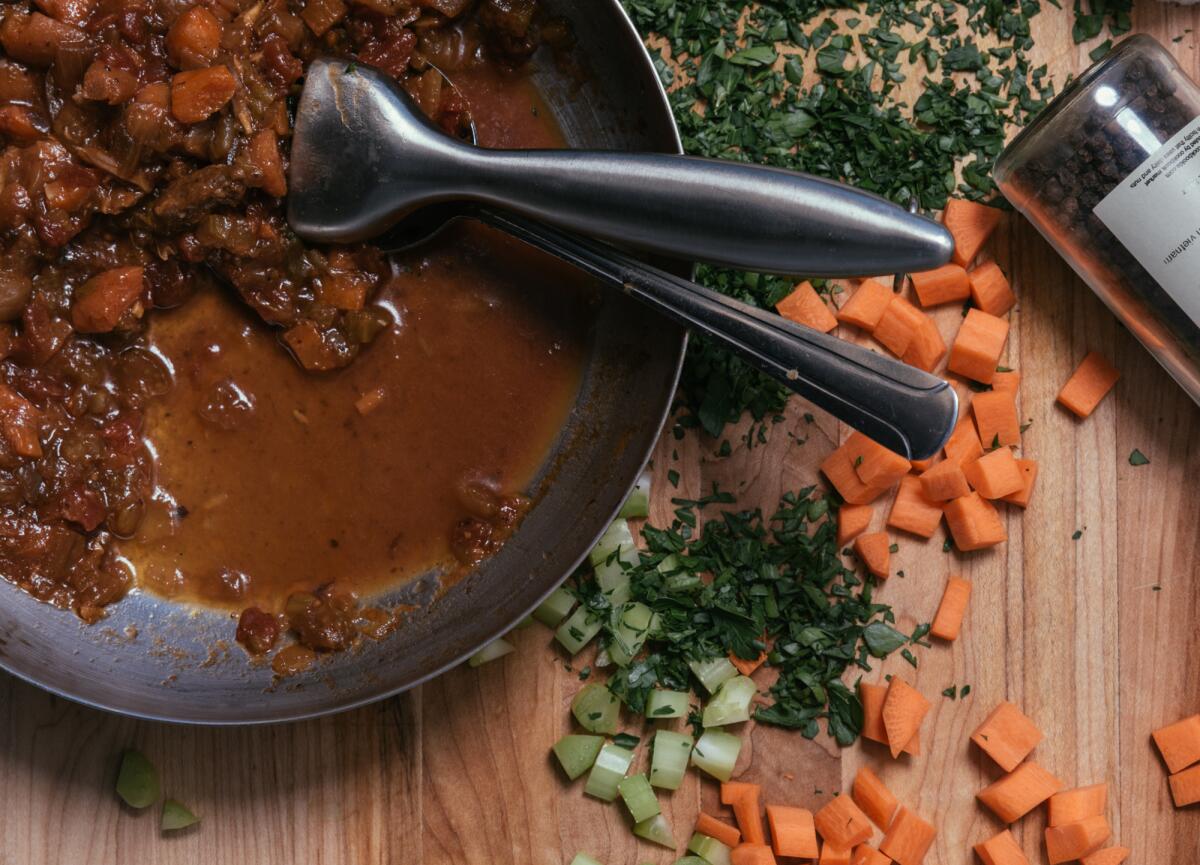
x,y
902,408
747,216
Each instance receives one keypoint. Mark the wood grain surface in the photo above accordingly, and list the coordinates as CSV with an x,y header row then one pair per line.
x,y
1097,638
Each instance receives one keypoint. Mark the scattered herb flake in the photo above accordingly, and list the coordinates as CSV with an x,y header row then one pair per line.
x,y
1137,458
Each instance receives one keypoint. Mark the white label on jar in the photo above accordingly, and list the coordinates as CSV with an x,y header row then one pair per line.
x,y
1155,213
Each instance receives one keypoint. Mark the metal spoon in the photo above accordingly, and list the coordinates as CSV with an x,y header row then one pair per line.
x,y
364,157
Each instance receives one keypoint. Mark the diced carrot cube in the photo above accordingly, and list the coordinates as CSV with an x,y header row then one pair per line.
x,y
904,708
103,300
852,521
996,419
944,481
924,465
963,446
990,289
833,855
874,798
1076,840
978,346
838,467
199,93
1071,806
793,831
971,224
872,698
1091,381
1006,381
1185,787
1179,743
947,623
751,854
945,284
875,465
719,829
912,511
974,523
874,549
1001,849
866,306
1007,735
842,823
321,15
996,474
898,325
908,839
926,348
1019,792
747,666
1107,856
194,39
1029,471
804,306
865,854
747,809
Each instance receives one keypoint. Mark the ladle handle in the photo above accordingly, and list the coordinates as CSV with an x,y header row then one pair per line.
x,y
902,408
747,216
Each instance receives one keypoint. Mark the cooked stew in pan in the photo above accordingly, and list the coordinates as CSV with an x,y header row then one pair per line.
x,y
194,402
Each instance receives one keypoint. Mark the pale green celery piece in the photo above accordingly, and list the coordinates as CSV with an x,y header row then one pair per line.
x,y
137,780
631,625
616,536
690,860
497,648
577,753
176,816
596,709
668,564
709,849
555,608
638,503
584,859
523,624
713,673
577,631
639,798
610,767
716,752
667,704
611,573
669,762
731,703
656,830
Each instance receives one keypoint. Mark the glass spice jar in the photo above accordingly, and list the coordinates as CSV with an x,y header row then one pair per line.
x,y
1109,173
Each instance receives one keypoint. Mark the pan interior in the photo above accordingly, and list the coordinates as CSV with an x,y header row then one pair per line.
x,y
157,659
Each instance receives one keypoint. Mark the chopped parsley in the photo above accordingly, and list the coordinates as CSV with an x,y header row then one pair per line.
x,y
1137,458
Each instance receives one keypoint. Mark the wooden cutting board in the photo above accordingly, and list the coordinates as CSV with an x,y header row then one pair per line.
x,y
1097,638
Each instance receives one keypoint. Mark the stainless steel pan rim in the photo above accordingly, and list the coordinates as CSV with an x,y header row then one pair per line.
x,y
183,666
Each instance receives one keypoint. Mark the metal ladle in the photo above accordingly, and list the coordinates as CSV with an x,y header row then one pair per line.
x,y
365,160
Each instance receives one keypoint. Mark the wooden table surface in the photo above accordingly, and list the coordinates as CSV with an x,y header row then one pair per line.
x,y
459,771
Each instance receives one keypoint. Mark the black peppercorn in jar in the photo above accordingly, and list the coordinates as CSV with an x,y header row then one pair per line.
x,y
1110,175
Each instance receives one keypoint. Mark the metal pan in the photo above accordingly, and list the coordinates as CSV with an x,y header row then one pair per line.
x,y
182,664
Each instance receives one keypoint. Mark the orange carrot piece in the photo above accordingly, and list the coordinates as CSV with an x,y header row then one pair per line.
x,y
1001,849
747,810
751,854
804,306
945,284
842,823
793,832
971,224
897,326
924,465
719,829
996,419
1185,787
974,523
1076,840
874,548
996,475
1007,735
1107,856
838,467
199,93
321,15
874,798
1019,792
875,465
194,39
866,306
1091,381
1029,472
990,290
102,300
944,481
1071,806
947,623
912,511
963,446
832,855
747,666
852,521
904,709
1179,743
872,698
1006,381
908,839
926,348
865,854
978,346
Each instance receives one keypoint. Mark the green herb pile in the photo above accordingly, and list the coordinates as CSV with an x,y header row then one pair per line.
x,y
775,82
746,585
